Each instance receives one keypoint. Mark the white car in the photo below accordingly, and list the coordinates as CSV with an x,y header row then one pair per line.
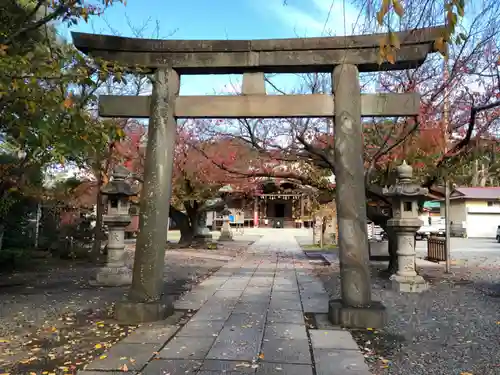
x,y
498,234
425,232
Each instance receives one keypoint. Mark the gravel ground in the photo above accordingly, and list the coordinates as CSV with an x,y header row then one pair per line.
x,y
454,328
37,305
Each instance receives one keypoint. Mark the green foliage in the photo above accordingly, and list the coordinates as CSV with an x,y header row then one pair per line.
x,y
75,241
46,85
14,259
19,226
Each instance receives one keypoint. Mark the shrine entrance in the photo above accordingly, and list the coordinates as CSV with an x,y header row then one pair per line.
x,y
343,57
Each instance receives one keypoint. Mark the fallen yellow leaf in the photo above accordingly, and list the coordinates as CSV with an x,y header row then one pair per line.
x,y
98,346
103,356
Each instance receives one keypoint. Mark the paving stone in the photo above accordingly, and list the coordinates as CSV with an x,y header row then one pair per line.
x,y
85,372
340,362
283,369
285,288
285,279
237,320
227,295
213,282
140,353
303,279
251,308
218,373
261,282
151,334
285,316
246,272
235,284
315,305
332,339
214,310
252,295
171,367
187,348
227,367
311,288
285,295
256,291
285,331
239,339
280,304
287,351
199,328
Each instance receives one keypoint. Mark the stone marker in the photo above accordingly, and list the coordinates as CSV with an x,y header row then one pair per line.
x,y
405,223
118,192
225,232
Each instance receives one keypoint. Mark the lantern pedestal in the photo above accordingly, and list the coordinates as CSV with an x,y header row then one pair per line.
x,y
406,279
225,232
116,272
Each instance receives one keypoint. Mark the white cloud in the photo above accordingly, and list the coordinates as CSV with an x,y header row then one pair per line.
x,y
316,18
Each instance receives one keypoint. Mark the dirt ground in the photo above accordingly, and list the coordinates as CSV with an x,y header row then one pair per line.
x,y
452,328
53,322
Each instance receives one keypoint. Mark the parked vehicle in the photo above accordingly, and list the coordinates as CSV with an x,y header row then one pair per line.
x,y
498,234
425,232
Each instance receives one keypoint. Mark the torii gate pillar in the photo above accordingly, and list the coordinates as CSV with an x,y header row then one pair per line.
x,y
356,308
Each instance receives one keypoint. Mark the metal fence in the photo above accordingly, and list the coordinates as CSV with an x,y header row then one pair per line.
x,y
436,249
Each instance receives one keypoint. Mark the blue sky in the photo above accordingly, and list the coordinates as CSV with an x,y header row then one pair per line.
x,y
224,19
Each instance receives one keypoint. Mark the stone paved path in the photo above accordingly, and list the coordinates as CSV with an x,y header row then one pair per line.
x,y
250,318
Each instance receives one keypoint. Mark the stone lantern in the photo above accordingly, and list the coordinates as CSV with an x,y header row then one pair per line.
x,y
225,232
118,192
405,196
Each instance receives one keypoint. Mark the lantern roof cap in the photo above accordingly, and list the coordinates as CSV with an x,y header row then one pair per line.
x,y
117,185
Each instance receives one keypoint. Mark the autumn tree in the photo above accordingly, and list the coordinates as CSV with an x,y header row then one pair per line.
x,y
470,84
46,87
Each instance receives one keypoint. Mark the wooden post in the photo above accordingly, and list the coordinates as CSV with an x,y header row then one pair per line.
x,y
302,211
256,212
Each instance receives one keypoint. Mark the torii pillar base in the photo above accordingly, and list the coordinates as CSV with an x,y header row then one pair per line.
x,y
372,316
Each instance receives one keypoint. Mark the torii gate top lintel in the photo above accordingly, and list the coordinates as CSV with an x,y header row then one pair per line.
x,y
295,55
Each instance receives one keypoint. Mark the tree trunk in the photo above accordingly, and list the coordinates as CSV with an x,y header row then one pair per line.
x,y
2,231
381,220
98,230
393,248
183,222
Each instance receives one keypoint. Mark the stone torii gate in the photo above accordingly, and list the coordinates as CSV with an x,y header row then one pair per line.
x,y
344,57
